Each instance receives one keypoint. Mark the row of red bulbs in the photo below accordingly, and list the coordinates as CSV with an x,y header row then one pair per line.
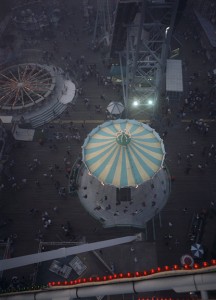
x,y
159,298
136,274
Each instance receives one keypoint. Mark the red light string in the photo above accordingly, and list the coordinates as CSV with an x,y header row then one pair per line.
x,y
140,274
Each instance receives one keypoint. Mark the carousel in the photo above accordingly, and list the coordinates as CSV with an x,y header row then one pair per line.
x,y
123,181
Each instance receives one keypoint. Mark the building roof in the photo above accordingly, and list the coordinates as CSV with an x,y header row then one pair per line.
x,y
208,27
174,81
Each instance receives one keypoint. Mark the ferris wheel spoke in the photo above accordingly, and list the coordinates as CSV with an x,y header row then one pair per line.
x,y
7,91
28,95
8,78
31,71
15,78
41,86
9,96
16,97
33,92
35,83
36,74
22,97
40,76
38,90
18,71
3,81
2,98
40,82
5,87
24,73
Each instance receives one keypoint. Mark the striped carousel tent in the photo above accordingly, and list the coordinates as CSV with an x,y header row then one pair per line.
x,y
123,153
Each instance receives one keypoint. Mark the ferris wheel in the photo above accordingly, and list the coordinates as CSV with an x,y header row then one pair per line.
x,y
24,85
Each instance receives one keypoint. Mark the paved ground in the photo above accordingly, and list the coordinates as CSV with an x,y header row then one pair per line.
x,y
194,191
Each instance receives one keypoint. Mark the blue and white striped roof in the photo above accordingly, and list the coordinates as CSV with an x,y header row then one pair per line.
x,y
123,153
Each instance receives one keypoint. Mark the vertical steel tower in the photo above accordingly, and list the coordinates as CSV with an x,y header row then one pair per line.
x,y
104,21
139,43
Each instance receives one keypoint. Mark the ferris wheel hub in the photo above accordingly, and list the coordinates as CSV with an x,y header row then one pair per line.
x,y
20,84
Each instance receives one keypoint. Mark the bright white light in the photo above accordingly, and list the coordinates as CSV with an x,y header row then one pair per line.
x,y
150,102
166,31
135,103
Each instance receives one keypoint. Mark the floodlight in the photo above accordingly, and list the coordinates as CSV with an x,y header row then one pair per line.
x,y
136,103
150,102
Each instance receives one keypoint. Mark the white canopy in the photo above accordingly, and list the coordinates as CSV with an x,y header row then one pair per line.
x,y
115,108
68,93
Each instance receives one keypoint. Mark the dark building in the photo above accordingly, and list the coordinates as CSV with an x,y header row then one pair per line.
x,y
205,12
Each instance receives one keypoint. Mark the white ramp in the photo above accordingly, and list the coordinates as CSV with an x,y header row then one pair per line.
x,y
20,261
